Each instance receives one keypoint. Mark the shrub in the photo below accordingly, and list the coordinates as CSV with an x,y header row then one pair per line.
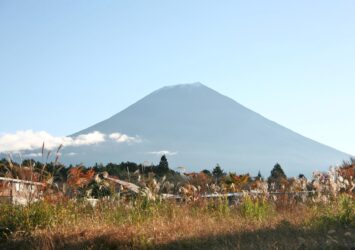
x,y
341,212
26,218
257,208
346,210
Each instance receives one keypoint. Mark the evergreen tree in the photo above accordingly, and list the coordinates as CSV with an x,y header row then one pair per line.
x,y
163,166
259,176
206,172
217,172
277,174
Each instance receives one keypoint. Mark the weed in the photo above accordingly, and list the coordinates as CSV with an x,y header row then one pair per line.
x,y
256,208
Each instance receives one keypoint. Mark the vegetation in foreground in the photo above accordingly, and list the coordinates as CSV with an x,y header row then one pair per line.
x,y
254,223
276,213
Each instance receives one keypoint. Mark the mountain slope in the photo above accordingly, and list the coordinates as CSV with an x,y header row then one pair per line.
x,y
202,127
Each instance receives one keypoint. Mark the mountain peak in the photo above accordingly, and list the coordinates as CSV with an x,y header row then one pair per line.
x,y
186,85
205,127
193,85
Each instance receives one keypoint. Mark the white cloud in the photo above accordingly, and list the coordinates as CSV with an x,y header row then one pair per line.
x,y
118,137
30,140
32,155
163,152
87,139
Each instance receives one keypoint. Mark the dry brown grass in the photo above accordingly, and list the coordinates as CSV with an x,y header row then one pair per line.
x,y
191,226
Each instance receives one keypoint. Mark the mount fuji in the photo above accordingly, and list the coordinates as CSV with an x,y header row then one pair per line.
x,y
196,127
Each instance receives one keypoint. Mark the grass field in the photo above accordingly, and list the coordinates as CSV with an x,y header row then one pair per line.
x,y
141,224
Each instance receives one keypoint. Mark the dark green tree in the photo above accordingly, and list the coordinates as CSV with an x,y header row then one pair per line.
x,y
277,174
259,176
207,172
217,172
163,166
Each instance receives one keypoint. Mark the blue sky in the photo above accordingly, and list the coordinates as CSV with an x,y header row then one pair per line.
x,y
65,65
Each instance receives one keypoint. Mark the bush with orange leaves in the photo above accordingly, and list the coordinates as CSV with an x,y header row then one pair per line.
x,y
200,180
235,183
78,178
